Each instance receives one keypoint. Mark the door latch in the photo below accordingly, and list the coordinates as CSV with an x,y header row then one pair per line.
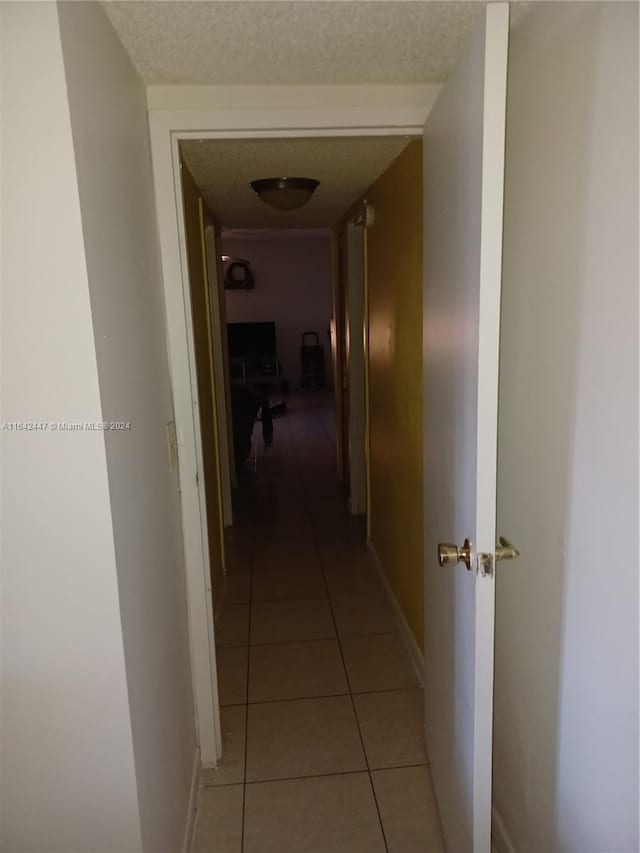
x,y
451,555
504,551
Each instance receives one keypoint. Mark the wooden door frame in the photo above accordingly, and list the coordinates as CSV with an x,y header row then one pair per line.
x,y
336,350
341,325
168,127
221,367
356,229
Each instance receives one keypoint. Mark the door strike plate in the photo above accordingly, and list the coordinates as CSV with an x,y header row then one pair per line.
x,y
485,564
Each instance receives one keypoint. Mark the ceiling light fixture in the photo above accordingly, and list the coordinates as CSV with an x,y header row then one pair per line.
x,y
284,193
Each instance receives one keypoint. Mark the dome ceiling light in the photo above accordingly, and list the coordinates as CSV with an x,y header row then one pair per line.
x,y
284,193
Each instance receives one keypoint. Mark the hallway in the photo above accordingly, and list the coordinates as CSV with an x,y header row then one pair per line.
x,y
322,711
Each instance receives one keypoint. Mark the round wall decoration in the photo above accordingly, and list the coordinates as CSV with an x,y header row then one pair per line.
x,y
238,276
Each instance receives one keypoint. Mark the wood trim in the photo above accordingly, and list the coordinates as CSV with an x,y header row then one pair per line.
x,y
225,354
208,474
367,397
336,352
212,378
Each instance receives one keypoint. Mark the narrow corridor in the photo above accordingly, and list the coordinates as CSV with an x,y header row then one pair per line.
x,y
322,711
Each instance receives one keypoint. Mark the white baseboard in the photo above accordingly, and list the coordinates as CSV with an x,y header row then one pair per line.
x,y
500,840
193,804
415,653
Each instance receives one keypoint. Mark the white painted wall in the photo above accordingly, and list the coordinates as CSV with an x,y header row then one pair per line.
x,y
66,763
110,133
396,103
292,271
566,695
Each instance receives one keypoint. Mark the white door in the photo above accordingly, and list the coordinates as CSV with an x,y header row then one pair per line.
x,y
463,188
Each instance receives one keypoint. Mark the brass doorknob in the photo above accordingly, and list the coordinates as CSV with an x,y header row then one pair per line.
x,y
450,555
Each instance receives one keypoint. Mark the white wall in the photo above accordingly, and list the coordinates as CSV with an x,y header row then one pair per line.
x,y
566,697
67,765
110,133
292,272
364,104
98,740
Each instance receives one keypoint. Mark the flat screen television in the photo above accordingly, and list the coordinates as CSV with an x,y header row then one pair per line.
x,y
252,340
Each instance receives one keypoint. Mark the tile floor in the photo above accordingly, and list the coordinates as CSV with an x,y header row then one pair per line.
x,y
321,707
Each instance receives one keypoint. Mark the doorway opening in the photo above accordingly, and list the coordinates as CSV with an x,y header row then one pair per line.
x,y
302,613
308,650
303,604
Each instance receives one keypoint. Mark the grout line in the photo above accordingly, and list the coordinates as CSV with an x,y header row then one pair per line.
x,y
299,699
291,601
355,693
321,596
346,672
246,703
302,482
287,642
317,775
319,639
362,743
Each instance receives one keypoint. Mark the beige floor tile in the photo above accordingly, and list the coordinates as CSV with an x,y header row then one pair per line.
x,y
408,810
336,532
238,539
342,553
270,514
270,550
286,557
284,535
327,814
232,674
357,578
332,528
294,518
230,768
237,564
237,588
291,621
233,626
296,671
362,614
219,821
378,662
392,726
273,584
238,551
307,737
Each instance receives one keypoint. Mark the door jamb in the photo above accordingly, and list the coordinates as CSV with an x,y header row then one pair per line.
x,y
336,348
367,397
216,295
167,128
357,320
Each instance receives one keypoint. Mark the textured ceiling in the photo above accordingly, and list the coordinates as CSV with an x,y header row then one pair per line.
x,y
278,42
345,167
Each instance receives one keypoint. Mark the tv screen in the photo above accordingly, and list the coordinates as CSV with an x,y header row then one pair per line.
x,y
251,340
